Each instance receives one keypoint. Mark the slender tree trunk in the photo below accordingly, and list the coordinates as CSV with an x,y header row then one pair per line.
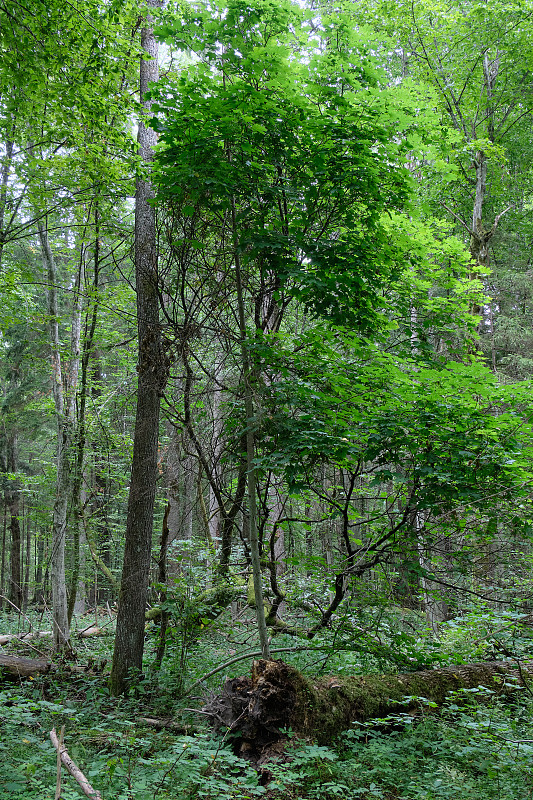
x,y
480,236
75,460
250,452
174,483
229,521
26,582
4,180
79,603
4,543
78,493
64,393
162,579
188,498
15,583
38,594
129,640
434,603
214,509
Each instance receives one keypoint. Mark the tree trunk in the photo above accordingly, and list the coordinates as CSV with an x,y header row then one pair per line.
x,y
38,593
4,543
278,697
17,667
218,424
64,393
13,495
4,180
129,641
250,449
26,582
162,580
78,490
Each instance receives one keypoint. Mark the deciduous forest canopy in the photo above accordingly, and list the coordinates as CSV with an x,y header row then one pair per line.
x,y
266,388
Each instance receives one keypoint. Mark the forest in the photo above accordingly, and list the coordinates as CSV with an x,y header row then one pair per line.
x,y
266,364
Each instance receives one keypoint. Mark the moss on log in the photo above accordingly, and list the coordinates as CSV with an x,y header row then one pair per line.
x,y
278,697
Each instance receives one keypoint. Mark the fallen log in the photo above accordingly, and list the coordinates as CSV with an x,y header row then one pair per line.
x,y
17,667
95,630
92,630
5,638
278,697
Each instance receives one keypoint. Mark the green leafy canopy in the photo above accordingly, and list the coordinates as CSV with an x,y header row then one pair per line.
x,y
303,139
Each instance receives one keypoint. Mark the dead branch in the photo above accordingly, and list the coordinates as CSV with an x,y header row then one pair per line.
x,y
73,770
164,724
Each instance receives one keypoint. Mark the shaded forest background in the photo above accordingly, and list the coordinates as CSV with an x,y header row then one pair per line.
x,y
303,252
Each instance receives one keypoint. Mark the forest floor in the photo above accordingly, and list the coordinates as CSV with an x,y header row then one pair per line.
x,y
475,748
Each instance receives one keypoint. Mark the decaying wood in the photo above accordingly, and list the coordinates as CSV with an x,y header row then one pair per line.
x,y
73,770
59,750
278,697
22,637
95,630
92,630
16,667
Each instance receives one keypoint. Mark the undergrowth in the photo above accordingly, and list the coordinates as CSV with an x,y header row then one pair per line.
x,y
474,749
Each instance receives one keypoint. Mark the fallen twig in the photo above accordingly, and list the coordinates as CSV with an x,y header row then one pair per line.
x,y
73,770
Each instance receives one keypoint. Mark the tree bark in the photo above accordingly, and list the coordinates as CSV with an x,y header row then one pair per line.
x,y
260,709
13,496
162,579
78,490
5,170
250,450
64,386
129,641
59,525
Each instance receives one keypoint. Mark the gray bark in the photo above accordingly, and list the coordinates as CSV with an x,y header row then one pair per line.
x,y
13,501
64,385
214,509
59,524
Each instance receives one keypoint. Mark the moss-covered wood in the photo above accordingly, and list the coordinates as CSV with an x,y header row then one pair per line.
x,y
278,697
208,604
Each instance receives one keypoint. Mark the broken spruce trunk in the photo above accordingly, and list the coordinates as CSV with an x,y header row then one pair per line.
x,y
278,697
